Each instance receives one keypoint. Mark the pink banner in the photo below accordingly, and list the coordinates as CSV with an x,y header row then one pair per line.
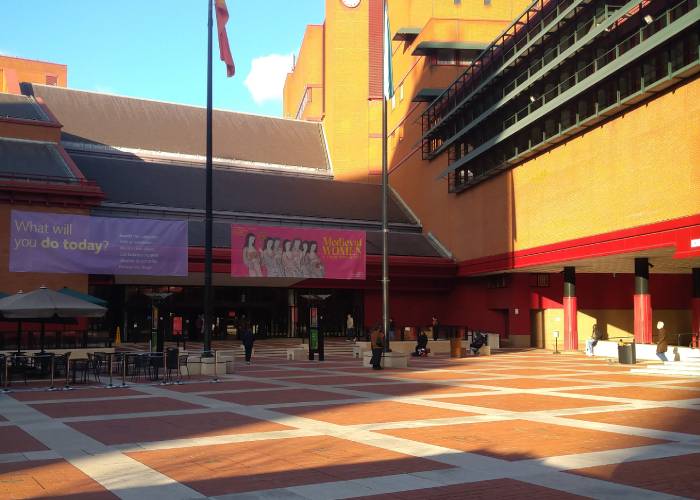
x,y
295,252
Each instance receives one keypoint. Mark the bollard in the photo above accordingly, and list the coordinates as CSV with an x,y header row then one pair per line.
x,y
52,388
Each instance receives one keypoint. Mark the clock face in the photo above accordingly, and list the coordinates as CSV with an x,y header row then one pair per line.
x,y
351,3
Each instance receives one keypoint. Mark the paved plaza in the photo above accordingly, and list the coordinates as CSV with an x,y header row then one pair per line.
x,y
513,425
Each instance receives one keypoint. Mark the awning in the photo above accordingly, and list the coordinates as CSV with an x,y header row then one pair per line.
x,y
406,34
82,296
427,95
431,47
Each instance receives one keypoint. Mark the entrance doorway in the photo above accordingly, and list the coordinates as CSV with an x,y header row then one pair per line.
x,y
537,328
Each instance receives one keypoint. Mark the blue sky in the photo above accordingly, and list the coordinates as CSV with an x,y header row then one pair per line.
x,y
157,48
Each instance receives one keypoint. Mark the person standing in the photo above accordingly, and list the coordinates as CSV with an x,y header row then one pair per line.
x,y
377,342
350,328
248,339
661,342
436,328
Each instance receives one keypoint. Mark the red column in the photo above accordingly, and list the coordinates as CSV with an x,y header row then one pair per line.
x,y
642,302
695,308
570,310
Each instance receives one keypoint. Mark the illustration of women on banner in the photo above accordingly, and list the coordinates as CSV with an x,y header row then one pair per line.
x,y
288,262
296,254
268,259
251,256
305,270
316,269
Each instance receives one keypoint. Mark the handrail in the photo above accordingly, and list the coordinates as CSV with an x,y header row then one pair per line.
x,y
623,57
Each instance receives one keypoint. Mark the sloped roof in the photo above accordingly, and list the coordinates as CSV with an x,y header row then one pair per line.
x,y
33,160
22,107
136,181
126,122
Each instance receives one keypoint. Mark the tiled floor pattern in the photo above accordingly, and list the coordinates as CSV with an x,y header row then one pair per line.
x,y
512,425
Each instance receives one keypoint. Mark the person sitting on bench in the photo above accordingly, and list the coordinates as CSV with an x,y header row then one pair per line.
x,y
479,341
421,345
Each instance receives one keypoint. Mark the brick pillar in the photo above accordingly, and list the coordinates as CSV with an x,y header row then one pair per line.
x,y
570,310
642,302
695,307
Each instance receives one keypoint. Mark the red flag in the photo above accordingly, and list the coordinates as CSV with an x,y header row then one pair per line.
x,y
224,49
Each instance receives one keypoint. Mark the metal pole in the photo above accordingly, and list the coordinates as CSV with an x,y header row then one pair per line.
x,y
385,211
52,388
208,197
66,386
165,368
7,362
216,377
124,371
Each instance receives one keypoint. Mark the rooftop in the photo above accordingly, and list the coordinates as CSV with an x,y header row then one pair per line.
x,y
106,122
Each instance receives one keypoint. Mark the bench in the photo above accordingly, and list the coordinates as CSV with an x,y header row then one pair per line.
x,y
389,359
297,353
227,357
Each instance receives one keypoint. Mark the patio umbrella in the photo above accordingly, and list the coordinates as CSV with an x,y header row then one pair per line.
x,y
44,304
82,296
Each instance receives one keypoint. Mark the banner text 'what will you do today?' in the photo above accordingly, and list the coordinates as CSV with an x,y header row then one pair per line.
x,y
61,243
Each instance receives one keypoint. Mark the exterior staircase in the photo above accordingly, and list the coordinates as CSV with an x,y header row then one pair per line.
x,y
688,368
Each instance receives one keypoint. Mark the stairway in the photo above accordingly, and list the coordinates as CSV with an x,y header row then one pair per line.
x,y
689,368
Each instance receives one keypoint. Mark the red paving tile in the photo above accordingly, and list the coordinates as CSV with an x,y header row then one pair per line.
x,y
528,372
48,479
139,430
530,383
662,419
641,392
520,439
502,489
525,402
411,389
111,407
628,378
239,467
282,374
371,412
674,475
280,396
335,380
435,375
237,385
15,440
75,394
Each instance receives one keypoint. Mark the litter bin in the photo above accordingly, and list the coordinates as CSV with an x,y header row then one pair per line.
x,y
626,353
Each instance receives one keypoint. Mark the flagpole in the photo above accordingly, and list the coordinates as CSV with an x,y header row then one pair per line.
x,y
385,200
208,295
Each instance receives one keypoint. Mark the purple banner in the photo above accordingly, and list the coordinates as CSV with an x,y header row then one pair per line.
x,y
59,243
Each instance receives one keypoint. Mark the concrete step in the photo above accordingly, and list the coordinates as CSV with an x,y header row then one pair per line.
x,y
657,371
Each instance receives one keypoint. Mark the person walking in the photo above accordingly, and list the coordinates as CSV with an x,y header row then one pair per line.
x,y
377,342
661,342
350,329
436,328
248,339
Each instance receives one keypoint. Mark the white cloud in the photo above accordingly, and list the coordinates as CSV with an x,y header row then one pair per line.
x,y
265,81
